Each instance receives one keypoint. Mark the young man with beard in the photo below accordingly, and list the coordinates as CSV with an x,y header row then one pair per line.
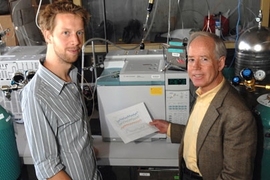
x,y
54,111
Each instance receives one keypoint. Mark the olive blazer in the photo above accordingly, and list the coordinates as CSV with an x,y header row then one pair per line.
x,y
227,138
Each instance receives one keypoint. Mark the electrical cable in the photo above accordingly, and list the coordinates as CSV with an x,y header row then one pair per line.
x,y
237,31
208,7
208,17
105,24
238,21
207,26
89,86
38,10
208,22
22,31
179,11
152,21
93,90
145,29
220,14
244,24
83,50
169,22
94,57
95,85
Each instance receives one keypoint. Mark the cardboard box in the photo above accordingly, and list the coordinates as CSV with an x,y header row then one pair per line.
x,y
10,37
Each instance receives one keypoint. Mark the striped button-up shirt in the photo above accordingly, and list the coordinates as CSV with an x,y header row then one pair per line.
x,y
57,126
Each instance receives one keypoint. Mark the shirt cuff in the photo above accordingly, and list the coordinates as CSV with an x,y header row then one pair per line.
x,y
169,130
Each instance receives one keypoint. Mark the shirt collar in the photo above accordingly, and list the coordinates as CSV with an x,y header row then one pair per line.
x,y
212,91
55,82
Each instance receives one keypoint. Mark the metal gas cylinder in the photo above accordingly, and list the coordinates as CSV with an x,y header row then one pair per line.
x,y
10,161
253,52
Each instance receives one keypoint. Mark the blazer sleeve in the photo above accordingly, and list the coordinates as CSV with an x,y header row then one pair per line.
x,y
240,148
177,132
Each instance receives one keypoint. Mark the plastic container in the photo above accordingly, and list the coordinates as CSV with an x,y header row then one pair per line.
x,y
217,28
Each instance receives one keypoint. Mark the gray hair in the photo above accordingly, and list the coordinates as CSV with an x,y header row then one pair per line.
x,y
220,48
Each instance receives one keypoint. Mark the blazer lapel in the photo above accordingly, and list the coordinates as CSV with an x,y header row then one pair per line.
x,y
211,115
208,120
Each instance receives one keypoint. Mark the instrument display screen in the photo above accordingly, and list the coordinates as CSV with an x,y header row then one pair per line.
x,y
177,81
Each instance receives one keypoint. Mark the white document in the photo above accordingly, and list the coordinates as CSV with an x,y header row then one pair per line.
x,y
132,123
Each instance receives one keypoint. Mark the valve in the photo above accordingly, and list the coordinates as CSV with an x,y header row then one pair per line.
x,y
236,81
18,81
248,81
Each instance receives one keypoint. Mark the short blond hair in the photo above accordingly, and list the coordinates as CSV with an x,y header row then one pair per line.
x,y
47,16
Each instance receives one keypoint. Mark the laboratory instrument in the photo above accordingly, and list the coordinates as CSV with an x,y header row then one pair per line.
x,y
135,76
